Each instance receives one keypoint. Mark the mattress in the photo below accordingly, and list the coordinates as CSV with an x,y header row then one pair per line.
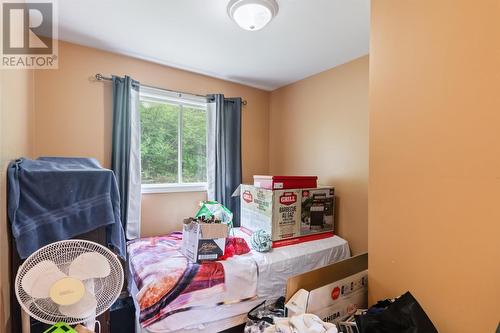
x,y
250,279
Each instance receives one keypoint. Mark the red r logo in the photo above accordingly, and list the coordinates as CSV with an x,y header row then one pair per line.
x,y
335,293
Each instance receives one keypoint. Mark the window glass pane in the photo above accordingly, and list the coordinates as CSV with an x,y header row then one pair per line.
x,y
159,142
194,145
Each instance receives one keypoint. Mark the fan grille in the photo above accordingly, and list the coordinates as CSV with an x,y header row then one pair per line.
x,y
106,290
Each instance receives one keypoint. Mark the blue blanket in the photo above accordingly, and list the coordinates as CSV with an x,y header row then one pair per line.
x,y
54,198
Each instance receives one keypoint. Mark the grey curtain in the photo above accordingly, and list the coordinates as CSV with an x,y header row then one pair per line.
x,y
125,155
224,156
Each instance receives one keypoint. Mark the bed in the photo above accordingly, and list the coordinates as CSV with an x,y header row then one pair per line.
x,y
216,296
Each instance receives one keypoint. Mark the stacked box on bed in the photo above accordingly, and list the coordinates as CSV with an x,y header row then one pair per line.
x,y
290,216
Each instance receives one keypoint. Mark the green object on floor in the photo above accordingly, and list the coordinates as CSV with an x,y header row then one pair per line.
x,y
60,328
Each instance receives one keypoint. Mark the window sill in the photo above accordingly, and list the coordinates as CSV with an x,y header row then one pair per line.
x,y
173,188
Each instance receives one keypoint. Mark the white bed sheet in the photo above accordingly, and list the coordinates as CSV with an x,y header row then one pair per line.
x,y
267,282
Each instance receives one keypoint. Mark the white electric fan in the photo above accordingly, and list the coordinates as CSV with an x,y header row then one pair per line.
x,y
72,281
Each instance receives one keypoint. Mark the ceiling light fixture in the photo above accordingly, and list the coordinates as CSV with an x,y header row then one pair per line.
x,y
252,15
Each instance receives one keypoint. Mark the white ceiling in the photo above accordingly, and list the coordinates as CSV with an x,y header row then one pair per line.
x,y
305,38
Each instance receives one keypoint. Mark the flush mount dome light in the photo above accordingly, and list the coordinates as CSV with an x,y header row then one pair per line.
x,y
252,15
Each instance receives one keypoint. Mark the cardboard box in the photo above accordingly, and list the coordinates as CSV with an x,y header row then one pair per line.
x,y
336,291
284,182
338,300
203,241
279,213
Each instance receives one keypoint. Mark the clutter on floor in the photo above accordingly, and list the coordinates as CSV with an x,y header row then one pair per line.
x,y
270,318
263,315
333,292
61,327
298,303
304,323
403,314
327,299
82,329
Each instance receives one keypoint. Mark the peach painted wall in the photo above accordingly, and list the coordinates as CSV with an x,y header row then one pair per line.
x,y
434,184
319,126
73,118
16,140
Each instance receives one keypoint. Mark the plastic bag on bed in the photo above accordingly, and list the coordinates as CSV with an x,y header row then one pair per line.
x,y
262,316
214,210
403,315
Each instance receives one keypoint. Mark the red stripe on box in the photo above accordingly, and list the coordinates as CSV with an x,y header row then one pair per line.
x,y
302,239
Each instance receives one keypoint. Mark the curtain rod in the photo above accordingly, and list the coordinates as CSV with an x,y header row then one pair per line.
x,y
100,77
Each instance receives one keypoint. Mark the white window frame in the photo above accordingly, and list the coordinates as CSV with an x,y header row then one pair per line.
x,y
164,96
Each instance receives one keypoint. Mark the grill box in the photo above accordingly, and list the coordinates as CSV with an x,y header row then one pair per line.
x,y
290,216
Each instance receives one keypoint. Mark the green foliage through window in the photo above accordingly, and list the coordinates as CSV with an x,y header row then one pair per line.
x,y
162,126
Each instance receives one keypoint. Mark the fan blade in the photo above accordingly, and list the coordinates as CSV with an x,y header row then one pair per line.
x,y
38,280
89,265
82,309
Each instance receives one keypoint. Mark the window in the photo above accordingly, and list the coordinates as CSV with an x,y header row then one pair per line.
x,y
173,141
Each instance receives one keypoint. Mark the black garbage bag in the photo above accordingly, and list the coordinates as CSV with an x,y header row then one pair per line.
x,y
404,315
262,316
